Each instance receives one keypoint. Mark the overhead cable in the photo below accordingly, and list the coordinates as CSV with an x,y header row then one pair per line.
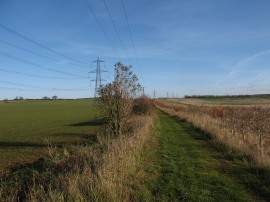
x,y
37,65
129,31
40,45
40,55
41,87
38,76
132,41
116,30
102,29
53,89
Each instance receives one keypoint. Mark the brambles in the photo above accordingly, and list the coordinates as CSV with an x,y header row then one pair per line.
x,y
244,128
143,106
217,112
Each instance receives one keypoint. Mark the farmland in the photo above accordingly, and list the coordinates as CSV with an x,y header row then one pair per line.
x,y
229,101
161,157
27,127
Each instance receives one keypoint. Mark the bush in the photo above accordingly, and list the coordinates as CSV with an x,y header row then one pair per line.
x,y
115,102
143,106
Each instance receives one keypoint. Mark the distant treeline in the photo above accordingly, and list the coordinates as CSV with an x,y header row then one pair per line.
x,y
44,98
228,96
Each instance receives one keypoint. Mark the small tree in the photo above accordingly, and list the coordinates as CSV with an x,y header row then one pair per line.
x,y
116,99
18,98
45,98
54,97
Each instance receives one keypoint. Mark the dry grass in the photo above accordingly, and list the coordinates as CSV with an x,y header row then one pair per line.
x,y
245,102
245,129
117,174
103,171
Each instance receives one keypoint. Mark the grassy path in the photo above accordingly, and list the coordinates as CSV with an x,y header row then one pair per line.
x,y
190,169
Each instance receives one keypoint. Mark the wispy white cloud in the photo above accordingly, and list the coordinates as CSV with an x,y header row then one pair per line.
x,y
256,66
252,59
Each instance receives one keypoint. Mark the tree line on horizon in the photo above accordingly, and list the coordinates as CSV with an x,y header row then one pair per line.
x,y
227,96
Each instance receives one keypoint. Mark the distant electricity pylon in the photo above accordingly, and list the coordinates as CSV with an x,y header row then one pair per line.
x,y
143,88
98,71
154,94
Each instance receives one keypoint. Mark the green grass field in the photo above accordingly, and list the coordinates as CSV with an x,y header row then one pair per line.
x,y
27,127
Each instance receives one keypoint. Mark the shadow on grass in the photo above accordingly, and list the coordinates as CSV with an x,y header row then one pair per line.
x,y
188,127
91,138
96,122
254,178
21,144
85,139
72,135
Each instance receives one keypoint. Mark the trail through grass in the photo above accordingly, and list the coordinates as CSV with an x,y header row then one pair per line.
x,y
190,169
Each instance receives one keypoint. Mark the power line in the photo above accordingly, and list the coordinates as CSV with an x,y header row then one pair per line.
x,y
22,18
102,29
132,41
21,84
130,32
115,28
39,28
37,65
37,76
40,87
53,89
40,45
38,54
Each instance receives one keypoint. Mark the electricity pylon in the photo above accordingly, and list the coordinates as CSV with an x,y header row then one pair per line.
x,y
154,94
98,79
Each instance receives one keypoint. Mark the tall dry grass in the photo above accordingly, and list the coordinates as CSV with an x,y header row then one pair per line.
x,y
244,129
103,171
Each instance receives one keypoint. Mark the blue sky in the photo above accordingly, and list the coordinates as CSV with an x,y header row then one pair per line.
x,y
184,47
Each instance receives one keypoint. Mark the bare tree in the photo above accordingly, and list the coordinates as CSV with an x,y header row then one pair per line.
x,y
116,99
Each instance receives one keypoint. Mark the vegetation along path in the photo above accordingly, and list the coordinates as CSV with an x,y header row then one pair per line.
x,y
190,168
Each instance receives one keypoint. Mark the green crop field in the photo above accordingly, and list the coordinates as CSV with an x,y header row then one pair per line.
x,y
27,127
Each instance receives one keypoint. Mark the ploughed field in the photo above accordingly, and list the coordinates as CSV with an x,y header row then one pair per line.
x,y
29,128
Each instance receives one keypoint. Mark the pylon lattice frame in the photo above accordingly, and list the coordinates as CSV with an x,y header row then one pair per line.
x,y
98,79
